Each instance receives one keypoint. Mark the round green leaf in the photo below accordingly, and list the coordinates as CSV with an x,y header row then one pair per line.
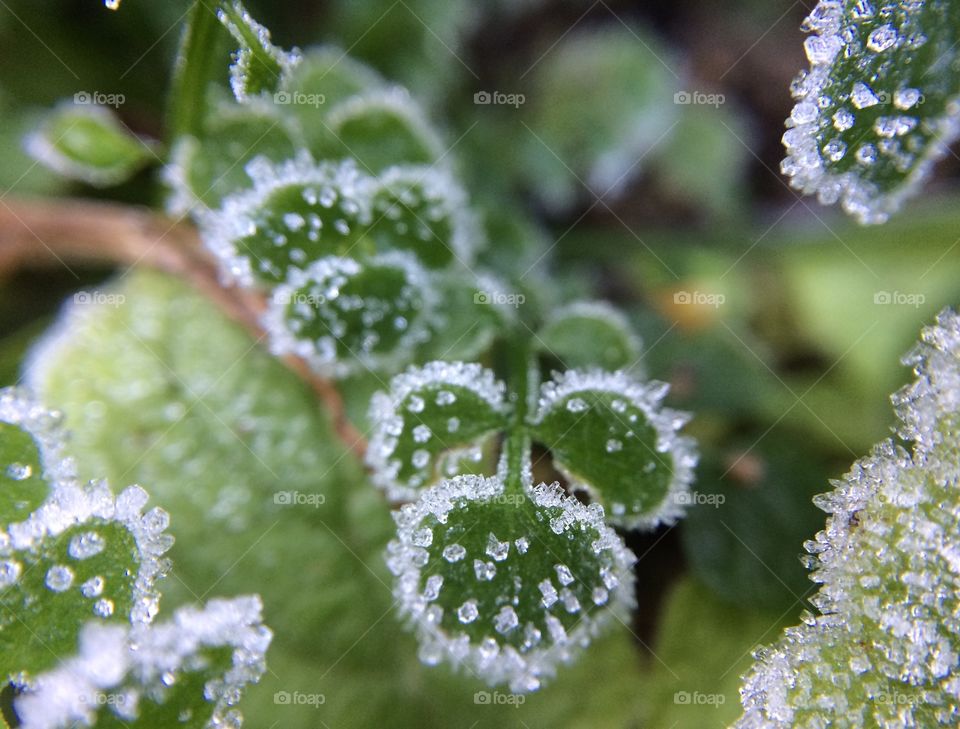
x,y
432,418
297,212
590,334
610,436
342,316
382,129
506,585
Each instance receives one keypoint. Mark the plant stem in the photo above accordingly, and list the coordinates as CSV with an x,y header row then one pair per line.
x,y
62,232
195,69
524,378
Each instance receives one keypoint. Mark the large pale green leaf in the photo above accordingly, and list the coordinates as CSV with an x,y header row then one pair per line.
x,y
590,334
879,104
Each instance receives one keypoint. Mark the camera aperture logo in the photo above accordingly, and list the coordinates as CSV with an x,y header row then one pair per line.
x,y
100,298
499,298
899,298
699,98
699,298
498,98
299,98
99,98
296,498
298,698
496,698
696,698
695,498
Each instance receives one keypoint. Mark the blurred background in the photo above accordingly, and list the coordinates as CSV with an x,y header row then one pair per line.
x,y
617,150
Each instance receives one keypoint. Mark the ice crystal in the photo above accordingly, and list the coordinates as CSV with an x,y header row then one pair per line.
x,y
844,142
141,662
884,647
640,470
501,618
426,399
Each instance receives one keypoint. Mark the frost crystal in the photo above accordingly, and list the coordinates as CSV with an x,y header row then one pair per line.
x,y
867,61
643,439
401,460
343,317
142,661
885,644
494,618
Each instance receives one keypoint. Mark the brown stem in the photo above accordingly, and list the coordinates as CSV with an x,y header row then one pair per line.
x,y
39,233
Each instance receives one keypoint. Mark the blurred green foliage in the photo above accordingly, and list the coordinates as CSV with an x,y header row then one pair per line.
x,y
788,375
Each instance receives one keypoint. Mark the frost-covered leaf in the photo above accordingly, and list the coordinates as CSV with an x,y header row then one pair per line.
x,y
507,586
343,316
189,672
609,434
879,105
81,555
885,643
323,78
203,171
590,334
424,210
383,129
88,143
297,212
467,323
432,417
259,64
597,132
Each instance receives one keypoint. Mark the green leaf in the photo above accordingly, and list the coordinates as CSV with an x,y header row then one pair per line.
x,y
382,129
189,672
879,104
296,213
590,334
610,436
425,211
86,142
79,555
883,641
585,134
506,585
432,418
342,316
259,64
202,171
467,324
323,78
752,507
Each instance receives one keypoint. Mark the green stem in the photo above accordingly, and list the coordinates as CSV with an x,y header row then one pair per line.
x,y
197,64
524,378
